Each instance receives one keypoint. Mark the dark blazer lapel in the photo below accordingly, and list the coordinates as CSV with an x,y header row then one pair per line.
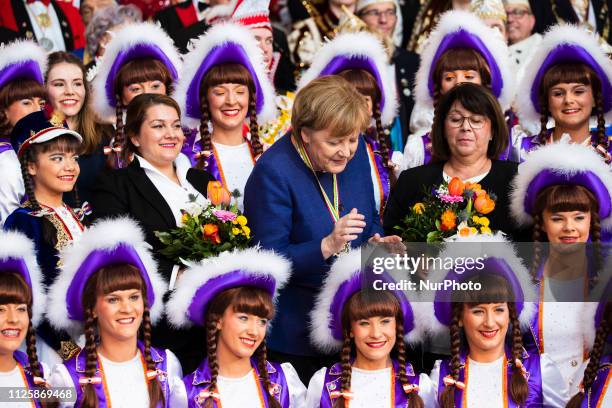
x,y
150,193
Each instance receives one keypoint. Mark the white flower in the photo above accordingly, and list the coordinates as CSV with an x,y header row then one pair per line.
x,y
193,209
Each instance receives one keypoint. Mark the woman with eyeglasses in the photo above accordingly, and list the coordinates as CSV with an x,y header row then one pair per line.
x,y
468,134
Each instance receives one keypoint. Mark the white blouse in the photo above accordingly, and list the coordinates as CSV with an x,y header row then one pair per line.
x,y
370,388
14,379
175,195
68,218
484,388
127,386
237,164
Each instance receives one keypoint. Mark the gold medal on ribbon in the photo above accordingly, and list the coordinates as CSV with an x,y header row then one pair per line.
x,y
43,20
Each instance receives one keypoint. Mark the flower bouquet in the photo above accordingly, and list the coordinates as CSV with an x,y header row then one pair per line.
x,y
452,209
206,230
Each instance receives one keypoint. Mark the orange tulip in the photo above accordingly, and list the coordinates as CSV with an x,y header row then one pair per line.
x,y
217,194
211,233
455,187
483,204
449,220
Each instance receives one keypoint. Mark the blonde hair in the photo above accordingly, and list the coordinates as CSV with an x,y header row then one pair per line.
x,y
330,102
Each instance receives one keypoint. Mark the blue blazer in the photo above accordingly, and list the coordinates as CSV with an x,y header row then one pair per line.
x,y
286,212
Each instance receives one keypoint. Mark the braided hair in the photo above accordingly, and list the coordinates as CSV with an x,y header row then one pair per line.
x,y
364,305
14,289
224,74
590,373
242,299
107,280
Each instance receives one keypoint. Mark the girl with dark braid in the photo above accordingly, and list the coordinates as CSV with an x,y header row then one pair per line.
x,y
225,93
487,361
109,289
369,327
22,302
564,192
232,296
360,58
568,80
141,58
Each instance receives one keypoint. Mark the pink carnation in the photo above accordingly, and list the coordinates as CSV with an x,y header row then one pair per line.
x,y
224,215
451,199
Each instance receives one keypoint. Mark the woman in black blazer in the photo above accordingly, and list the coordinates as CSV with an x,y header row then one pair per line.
x,y
468,134
153,189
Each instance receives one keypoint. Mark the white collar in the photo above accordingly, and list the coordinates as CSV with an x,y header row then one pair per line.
x,y
181,167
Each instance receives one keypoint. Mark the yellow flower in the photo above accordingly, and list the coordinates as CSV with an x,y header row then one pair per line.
x,y
240,220
184,218
484,221
485,230
419,208
473,231
246,230
449,220
236,231
476,219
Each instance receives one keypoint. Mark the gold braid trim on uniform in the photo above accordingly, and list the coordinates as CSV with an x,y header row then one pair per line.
x,y
68,349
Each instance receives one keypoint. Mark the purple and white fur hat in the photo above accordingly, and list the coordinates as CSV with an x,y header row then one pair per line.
x,y
345,278
22,59
462,29
107,242
501,259
357,51
561,44
134,41
223,43
561,163
17,254
200,283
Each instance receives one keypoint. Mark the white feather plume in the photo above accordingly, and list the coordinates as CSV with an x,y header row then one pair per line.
x,y
451,22
126,38
562,158
16,245
216,36
104,235
556,36
360,45
254,261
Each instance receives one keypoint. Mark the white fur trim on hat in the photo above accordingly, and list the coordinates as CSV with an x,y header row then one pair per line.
x,y
556,36
16,245
103,235
218,35
254,261
124,39
491,245
360,45
451,22
22,51
343,269
563,158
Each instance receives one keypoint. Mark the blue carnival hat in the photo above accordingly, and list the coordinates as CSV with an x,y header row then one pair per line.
x,y
347,277
461,29
562,44
22,59
39,127
561,163
132,42
357,51
17,254
223,43
500,259
203,281
107,242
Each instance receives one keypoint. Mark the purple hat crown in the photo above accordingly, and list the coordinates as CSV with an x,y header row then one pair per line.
x,y
461,29
561,164
18,255
22,59
106,243
357,51
223,43
203,281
